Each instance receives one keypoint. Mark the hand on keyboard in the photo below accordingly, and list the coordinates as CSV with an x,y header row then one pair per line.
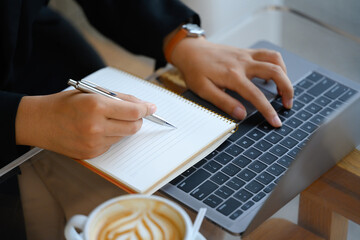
x,y
210,68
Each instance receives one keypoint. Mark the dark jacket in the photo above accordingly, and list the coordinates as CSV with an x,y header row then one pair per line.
x,y
40,50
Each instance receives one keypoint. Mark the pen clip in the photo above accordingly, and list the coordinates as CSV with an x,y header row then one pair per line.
x,y
104,90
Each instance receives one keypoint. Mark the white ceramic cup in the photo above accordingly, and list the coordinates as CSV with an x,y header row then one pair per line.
x,y
130,216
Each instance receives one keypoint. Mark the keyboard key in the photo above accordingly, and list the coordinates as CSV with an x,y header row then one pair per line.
x,y
269,188
213,201
189,171
303,115
247,125
298,91
273,137
308,127
263,145
224,192
241,161
228,206
317,119
234,150
223,146
267,158
286,112
289,142
247,205
315,77
283,130
176,180
236,214
305,98
245,142
278,150
211,155
299,135
219,178
223,158
254,186
246,175
265,178
293,152
212,166
305,84
293,122
259,196
326,112
276,105
255,134
243,195
336,104
275,169
322,101
230,169
321,87
285,161
336,91
204,190
257,166
200,163
235,183
265,127
297,105
348,95
313,108
252,153
194,180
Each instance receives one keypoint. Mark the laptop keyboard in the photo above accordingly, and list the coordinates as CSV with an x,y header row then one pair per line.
x,y
248,165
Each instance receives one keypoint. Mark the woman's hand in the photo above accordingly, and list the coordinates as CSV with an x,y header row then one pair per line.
x,y
210,68
76,124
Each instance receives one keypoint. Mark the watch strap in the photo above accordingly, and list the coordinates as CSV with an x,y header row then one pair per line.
x,y
169,48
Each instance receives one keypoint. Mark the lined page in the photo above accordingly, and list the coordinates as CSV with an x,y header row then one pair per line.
x,y
143,159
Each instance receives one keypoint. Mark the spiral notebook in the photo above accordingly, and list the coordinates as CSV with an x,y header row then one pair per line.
x,y
147,160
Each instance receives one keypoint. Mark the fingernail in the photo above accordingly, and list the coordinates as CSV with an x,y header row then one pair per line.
x,y
239,113
276,122
152,108
288,103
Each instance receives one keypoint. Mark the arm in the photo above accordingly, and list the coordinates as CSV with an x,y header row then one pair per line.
x,y
76,124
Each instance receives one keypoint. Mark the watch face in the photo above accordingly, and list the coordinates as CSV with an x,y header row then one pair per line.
x,y
194,30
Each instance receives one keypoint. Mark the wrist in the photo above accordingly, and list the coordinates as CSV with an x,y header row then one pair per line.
x,y
28,118
178,35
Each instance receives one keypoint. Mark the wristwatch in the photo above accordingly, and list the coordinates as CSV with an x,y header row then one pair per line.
x,y
186,30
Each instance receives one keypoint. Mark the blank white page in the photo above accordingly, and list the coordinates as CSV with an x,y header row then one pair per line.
x,y
142,160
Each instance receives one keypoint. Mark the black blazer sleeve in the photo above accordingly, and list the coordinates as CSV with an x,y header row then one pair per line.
x,y
138,25
9,104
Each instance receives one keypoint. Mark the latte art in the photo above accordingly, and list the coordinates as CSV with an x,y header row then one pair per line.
x,y
136,219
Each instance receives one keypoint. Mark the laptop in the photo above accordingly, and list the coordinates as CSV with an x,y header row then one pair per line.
x,y
258,169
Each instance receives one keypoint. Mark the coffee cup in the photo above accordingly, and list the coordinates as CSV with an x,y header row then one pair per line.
x,y
135,216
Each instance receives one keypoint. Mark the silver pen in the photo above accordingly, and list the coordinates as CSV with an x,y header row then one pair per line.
x,y
89,87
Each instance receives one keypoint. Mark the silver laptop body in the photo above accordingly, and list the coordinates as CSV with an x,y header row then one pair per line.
x,y
338,135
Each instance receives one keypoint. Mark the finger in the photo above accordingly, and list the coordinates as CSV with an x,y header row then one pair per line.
x,y
265,55
129,98
269,71
128,111
222,100
116,128
253,94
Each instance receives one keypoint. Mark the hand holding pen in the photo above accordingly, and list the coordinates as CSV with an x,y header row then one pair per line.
x,y
89,87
